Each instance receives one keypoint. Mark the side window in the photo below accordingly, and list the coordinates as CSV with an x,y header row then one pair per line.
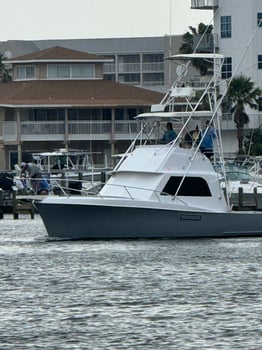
x,y
191,186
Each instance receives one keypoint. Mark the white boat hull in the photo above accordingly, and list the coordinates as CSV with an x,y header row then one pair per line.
x,y
78,221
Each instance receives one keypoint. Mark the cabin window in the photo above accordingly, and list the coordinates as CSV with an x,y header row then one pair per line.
x,y
191,186
25,72
226,26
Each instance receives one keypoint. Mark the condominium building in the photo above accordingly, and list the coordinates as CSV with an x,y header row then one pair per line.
x,y
134,61
238,36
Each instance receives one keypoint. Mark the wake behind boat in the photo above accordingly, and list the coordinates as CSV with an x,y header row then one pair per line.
x,y
161,190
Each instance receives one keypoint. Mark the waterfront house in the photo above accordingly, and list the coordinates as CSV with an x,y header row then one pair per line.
x,y
58,99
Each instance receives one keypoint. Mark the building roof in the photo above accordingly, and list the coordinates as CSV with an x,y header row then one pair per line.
x,y
74,93
103,46
58,53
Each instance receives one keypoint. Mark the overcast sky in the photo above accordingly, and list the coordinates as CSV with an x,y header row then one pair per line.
x,y
67,19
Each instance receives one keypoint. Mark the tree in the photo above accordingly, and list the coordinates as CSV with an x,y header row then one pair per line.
x,y
253,142
188,45
4,72
242,93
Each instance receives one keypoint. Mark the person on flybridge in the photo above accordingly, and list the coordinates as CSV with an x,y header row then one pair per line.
x,y
206,144
169,135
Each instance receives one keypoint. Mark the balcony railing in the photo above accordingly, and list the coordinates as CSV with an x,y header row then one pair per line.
x,y
204,4
110,68
153,67
204,43
129,67
91,130
76,130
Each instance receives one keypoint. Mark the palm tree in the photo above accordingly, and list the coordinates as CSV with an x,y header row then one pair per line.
x,y
242,93
188,45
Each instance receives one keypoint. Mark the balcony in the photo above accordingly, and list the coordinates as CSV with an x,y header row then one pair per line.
x,y
204,4
205,43
153,67
129,67
76,130
110,68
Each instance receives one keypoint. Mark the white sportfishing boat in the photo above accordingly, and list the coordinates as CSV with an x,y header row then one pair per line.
x,y
160,190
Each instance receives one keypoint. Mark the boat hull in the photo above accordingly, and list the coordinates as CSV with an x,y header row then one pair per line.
x,y
114,222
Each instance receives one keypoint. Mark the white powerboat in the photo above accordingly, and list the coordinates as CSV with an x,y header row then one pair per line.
x,y
159,190
64,170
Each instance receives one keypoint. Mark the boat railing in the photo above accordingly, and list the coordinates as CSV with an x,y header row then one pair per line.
x,y
57,186
76,187
134,191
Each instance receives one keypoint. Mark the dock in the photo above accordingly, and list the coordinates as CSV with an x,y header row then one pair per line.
x,y
246,201
16,205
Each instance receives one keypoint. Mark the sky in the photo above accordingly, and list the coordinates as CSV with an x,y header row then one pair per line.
x,y
83,19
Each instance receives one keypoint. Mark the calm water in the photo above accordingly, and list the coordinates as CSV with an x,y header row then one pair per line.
x,y
143,294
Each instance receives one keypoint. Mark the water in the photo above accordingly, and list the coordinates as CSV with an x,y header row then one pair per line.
x,y
131,294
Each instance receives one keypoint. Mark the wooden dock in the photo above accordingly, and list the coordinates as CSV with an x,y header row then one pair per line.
x,y
19,205
246,201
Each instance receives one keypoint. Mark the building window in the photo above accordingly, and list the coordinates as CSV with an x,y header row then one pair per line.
x,y
83,71
226,71
25,72
129,78
58,71
153,79
259,61
226,26
153,63
110,77
129,64
259,19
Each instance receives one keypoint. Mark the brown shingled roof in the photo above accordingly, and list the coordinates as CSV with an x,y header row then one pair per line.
x,y
77,93
57,53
